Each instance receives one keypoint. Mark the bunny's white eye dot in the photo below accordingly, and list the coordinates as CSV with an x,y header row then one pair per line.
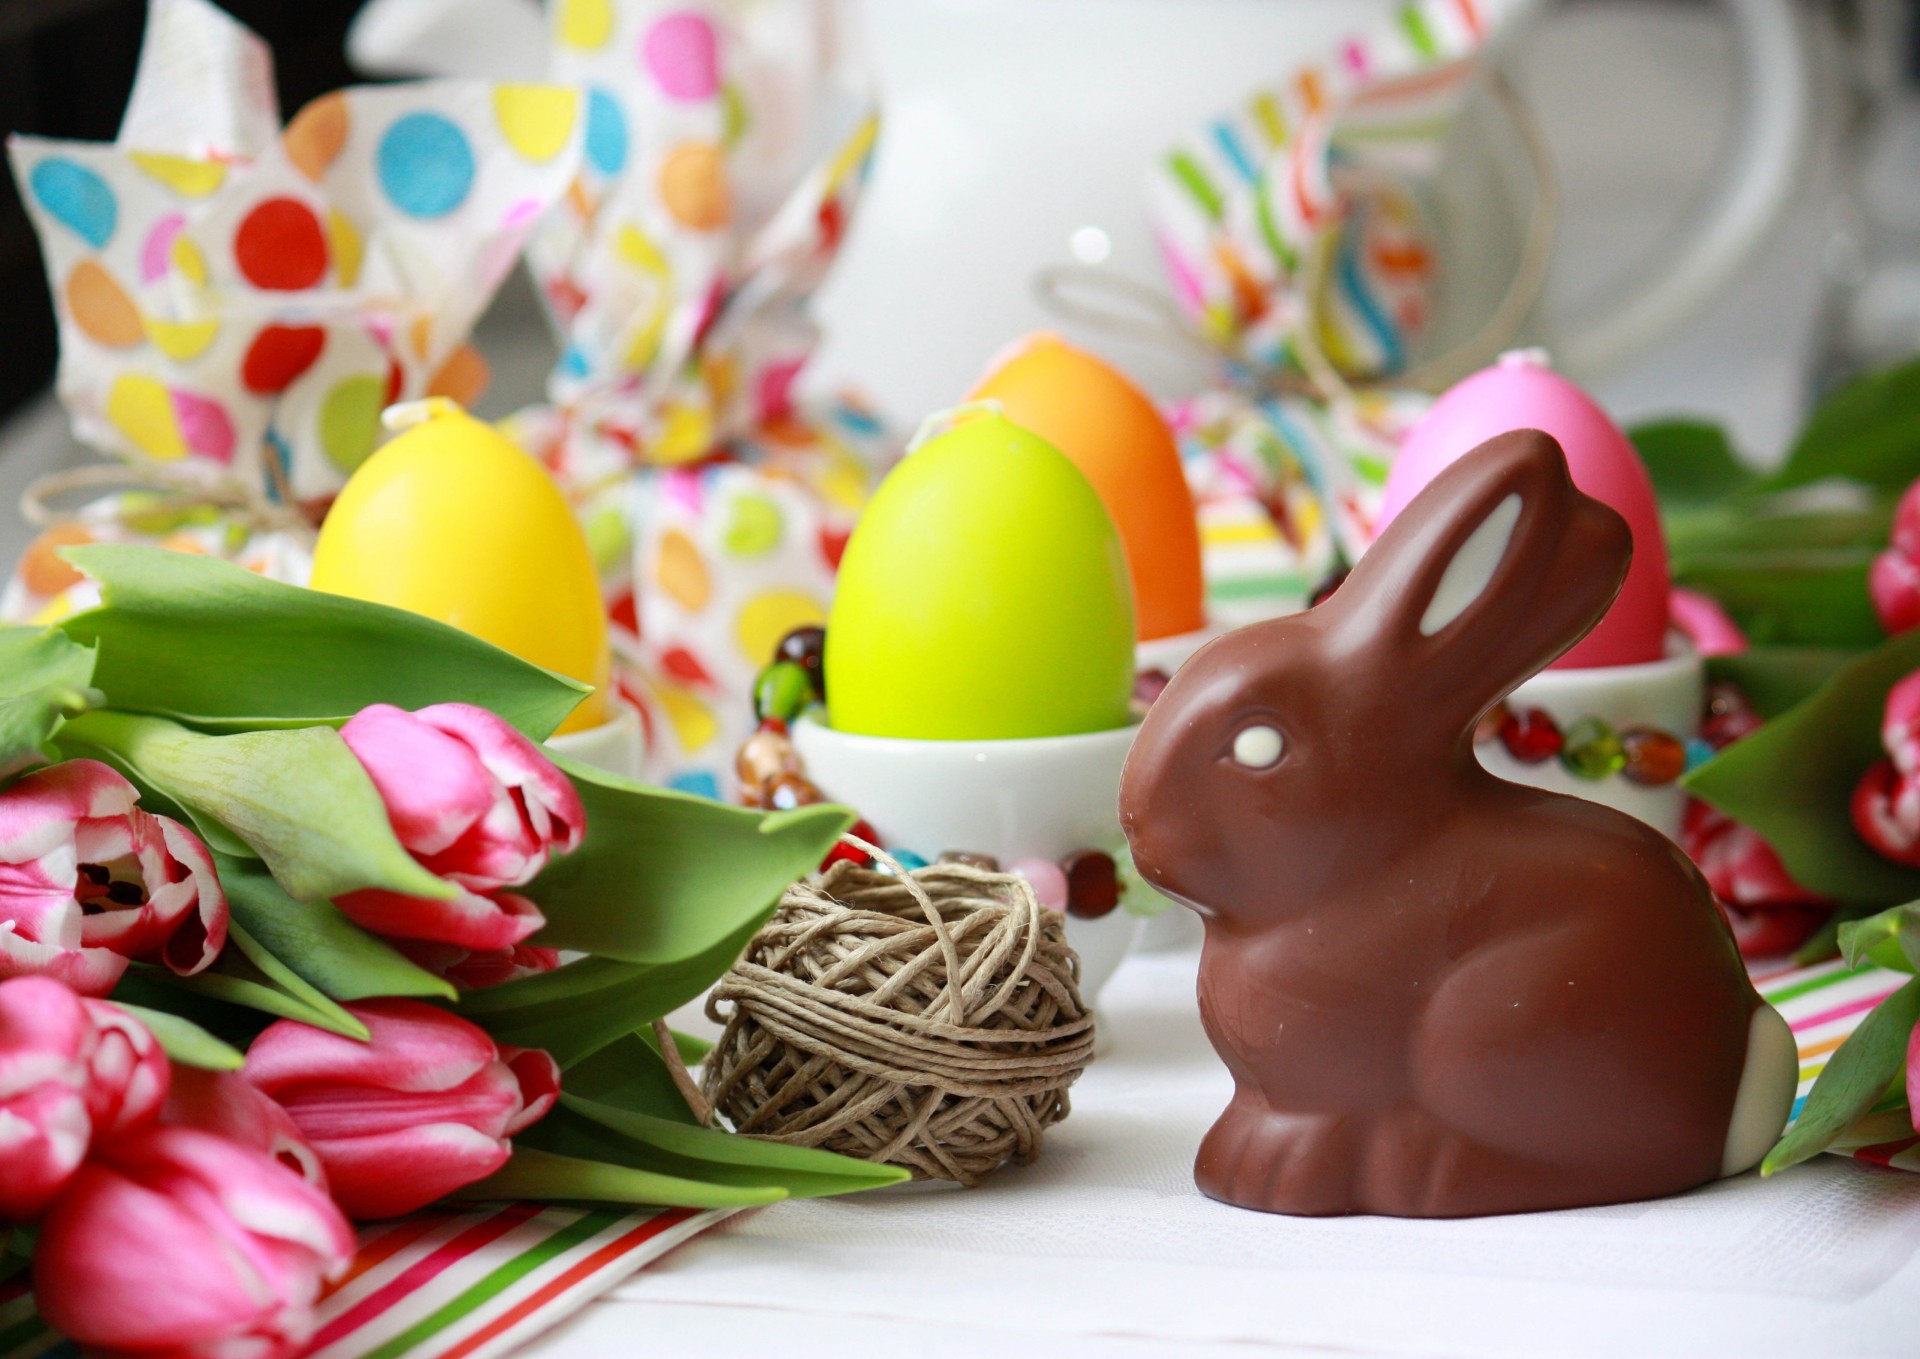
x,y
1257,747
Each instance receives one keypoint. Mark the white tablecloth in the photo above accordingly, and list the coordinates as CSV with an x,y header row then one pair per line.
x,y
1105,1248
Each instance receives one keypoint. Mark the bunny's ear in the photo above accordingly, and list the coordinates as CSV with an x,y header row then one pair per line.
x,y
1493,571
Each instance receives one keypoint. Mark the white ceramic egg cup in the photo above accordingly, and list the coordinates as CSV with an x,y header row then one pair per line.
x,y
1039,798
1665,695
1168,654
617,745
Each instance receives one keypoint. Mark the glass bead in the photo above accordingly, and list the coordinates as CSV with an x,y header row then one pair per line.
x,y
1592,750
1699,751
792,790
1489,726
807,648
1653,758
764,757
783,691
908,860
985,862
1093,884
1531,736
1147,686
1049,883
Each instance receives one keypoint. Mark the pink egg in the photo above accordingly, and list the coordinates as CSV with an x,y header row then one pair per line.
x,y
1521,392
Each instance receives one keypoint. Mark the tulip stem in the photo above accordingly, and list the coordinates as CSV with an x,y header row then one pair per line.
x,y
682,1078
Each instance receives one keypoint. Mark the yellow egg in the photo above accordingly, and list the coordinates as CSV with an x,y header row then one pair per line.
x,y
983,596
453,520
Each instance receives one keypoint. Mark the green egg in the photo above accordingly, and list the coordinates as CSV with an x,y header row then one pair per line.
x,y
984,596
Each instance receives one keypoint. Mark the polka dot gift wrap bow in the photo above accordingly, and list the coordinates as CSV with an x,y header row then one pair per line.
x,y
726,144
239,302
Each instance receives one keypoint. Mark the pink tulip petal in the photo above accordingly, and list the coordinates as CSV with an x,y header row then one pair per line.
x,y
412,1046
1705,623
539,1078
470,920
433,785
43,1138
476,969
397,1172
90,971
45,1032
1893,584
129,1074
227,1104
552,803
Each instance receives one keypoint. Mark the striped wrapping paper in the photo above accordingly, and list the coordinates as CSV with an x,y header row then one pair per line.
x,y
472,1284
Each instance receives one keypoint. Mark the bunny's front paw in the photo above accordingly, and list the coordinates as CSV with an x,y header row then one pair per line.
x,y
1257,1158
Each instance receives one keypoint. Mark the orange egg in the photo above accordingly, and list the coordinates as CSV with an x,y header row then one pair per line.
x,y
1090,411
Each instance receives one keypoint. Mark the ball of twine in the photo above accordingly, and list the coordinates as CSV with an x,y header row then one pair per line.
x,y
930,1020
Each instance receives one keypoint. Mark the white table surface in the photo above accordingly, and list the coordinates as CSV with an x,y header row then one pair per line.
x,y
1104,1248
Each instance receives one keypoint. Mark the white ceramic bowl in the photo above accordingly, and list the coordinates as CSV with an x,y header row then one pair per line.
x,y
616,745
1665,695
1039,798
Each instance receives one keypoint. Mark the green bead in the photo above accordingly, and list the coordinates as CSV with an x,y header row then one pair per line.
x,y
1593,750
783,690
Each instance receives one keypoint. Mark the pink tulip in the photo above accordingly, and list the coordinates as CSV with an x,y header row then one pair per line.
x,y
473,969
1893,581
71,1070
1742,868
1886,802
228,1105
1705,623
1913,1078
174,1242
475,802
422,1109
89,881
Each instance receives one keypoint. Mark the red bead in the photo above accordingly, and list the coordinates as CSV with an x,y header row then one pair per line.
x,y
844,852
1093,884
1147,686
1489,727
1531,736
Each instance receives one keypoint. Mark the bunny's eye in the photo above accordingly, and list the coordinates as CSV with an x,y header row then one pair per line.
x,y
1258,747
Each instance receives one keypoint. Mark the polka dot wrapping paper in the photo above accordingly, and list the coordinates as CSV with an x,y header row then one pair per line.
x,y
726,144
237,302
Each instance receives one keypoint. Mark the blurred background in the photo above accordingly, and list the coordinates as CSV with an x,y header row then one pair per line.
x,y
1637,98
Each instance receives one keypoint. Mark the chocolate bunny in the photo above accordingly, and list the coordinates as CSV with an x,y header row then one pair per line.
x,y
1441,994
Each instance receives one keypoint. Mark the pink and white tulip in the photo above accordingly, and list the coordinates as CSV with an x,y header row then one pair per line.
x,y
1705,623
476,803
228,1105
1893,581
475,969
89,881
175,1242
1739,865
1886,802
71,1071
423,1108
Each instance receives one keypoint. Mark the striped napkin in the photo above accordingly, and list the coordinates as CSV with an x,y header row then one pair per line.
x,y
471,1284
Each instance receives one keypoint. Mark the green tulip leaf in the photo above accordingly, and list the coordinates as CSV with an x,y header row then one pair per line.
x,y
45,678
297,799
221,648
186,1042
1776,678
1890,939
1814,597
664,875
340,960
708,1154
1868,431
532,1173
1857,1075
579,1009
629,1073
1691,463
1793,779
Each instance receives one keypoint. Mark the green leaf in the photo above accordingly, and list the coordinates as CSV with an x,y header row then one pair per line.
x,y
580,1008
45,678
247,974
1775,678
1699,538
1691,463
1793,598
185,1041
536,1174
218,647
1793,779
713,1156
629,1074
340,959
1890,939
664,876
1868,431
1859,1072
298,799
